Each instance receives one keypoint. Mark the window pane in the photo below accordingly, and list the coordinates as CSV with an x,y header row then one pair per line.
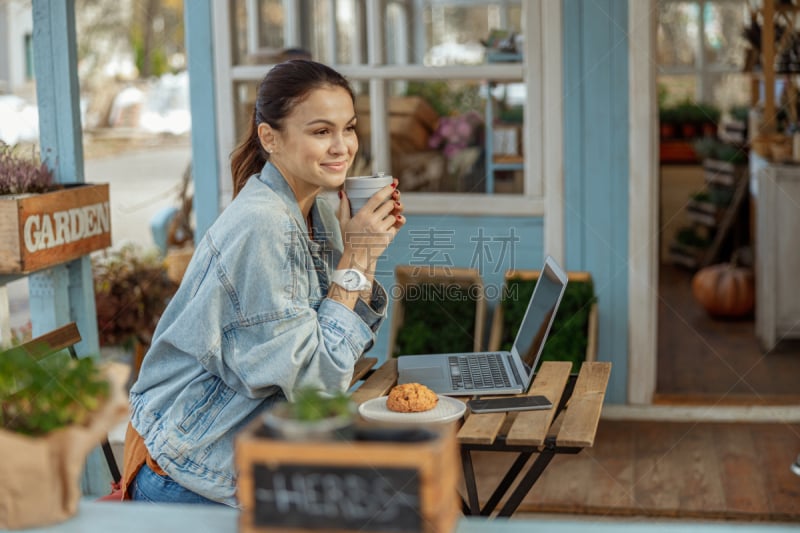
x,y
351,47
440,141
730,90
678,30
724,44
676,89
453,32
438,135
262,46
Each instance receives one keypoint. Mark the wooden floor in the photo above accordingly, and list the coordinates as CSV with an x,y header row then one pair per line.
x,y
702,360
732,471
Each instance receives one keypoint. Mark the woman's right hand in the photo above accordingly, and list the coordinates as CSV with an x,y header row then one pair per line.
x,y
367,234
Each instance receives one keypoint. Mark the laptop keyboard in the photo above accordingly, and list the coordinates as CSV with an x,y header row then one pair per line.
x,y
478,371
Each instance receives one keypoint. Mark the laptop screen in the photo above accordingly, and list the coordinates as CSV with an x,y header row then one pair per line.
x,y
539,316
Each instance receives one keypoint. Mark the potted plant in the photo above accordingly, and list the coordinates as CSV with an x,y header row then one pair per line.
x,y
688,117
668,119
43,223
708,117
312,415
53,411
131,290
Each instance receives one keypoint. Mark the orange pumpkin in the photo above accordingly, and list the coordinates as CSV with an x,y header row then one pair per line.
x,y
725,290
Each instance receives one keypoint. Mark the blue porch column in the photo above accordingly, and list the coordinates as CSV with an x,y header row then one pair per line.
x,y
65,293
596,167
205,162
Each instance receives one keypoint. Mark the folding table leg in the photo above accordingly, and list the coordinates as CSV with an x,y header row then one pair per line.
x,y
525,484
116,476
505,483
469,482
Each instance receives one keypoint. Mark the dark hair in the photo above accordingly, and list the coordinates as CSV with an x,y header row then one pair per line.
x,y
285,85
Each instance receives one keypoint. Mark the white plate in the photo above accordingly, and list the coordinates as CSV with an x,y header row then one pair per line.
x,y
447,409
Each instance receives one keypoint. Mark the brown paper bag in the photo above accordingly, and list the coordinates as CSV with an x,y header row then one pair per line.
x,y
40,476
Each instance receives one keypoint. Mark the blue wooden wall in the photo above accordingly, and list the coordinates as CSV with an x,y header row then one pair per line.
x,y
596,167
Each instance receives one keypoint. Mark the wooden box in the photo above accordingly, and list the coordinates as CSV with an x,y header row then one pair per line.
x,y
411,280
411,121
42,230
344,486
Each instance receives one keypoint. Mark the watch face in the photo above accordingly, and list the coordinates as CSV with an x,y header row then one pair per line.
x,y
350,279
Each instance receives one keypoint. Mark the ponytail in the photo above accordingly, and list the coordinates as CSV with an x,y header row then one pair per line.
x,y
247,158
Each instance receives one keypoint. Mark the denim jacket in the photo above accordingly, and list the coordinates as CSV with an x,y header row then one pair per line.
x,y
249,325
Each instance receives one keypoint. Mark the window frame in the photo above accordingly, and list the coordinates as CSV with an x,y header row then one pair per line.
x,y
540,71
701,71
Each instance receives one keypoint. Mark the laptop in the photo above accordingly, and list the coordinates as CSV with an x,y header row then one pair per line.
x,y
502,372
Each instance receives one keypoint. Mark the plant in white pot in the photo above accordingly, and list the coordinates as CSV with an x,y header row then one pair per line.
x,y
312,415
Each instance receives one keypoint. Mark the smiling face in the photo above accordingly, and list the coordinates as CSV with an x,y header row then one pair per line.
x,y
316,143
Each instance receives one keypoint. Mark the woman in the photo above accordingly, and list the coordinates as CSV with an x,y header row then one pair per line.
x,y
279,295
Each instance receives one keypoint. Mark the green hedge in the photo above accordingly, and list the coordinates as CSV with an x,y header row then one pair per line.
x,y
436,324
568,337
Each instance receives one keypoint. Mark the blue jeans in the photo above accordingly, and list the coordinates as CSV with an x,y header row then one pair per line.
x,y
148,486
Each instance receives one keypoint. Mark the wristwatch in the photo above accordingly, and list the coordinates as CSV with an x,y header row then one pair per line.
x,y
351,279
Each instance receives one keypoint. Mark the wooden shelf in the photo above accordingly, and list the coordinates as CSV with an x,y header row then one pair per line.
x,y
508,159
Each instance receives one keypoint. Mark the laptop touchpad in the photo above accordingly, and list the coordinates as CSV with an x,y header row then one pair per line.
x,y
411,375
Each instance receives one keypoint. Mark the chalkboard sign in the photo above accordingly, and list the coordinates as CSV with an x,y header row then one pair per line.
x,y
370,498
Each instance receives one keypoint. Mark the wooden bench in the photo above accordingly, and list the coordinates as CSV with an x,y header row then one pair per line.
x,y
568,428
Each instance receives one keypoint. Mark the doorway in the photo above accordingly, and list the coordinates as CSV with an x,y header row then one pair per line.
x,y
700,359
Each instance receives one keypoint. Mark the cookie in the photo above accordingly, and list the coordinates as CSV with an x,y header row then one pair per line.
x,y
411,398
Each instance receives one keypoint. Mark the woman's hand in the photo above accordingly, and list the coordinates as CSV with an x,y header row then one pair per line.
x,y
367,234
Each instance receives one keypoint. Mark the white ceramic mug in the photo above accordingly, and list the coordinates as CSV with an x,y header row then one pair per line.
x,y
359,189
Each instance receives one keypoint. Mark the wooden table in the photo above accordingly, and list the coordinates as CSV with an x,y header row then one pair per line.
x,y
567,428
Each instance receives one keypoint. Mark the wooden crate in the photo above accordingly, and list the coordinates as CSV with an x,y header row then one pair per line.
x,y
411,121
409,275
344,486
496,333
42,230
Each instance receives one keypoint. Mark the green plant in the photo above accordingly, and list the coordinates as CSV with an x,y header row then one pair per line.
x,y
568,336
437,324
705,147
41,394
731,154
311,405
688,236
668,115
663,96
708,112
132,290
740,113
713,148
688,111
21,173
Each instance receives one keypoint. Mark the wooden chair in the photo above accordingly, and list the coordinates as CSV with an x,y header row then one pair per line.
x,y
409,276
65,338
